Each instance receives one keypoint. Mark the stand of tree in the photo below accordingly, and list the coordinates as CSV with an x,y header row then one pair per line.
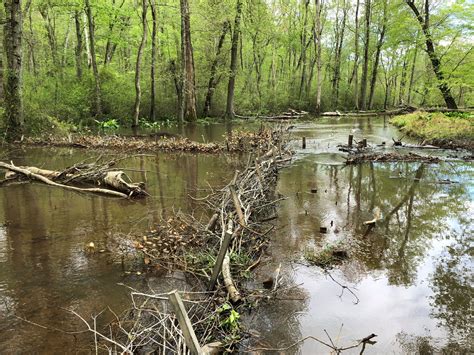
x,y
69,61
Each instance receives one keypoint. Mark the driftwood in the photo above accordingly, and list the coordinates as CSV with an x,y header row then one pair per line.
x,y
113,182
288,115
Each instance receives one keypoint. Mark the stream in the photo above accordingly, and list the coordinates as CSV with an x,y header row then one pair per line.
x,y
408,279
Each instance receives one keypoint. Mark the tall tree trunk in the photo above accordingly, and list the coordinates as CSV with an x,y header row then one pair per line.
x,y
86,37
66,44
375,67
317,38
403,80
365,68
51,34
233,62
302,61
2,51
110,45
12,35
213,79
337,55
355,70
138,90
31,47
435,61
412,74
189,86
154,31
95,70
79,44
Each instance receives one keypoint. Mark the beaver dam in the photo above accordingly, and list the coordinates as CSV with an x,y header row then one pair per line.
x,y
249,243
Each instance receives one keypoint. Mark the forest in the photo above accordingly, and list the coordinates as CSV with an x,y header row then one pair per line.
x,y
66,62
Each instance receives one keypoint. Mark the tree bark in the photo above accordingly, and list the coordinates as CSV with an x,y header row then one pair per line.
x,y
79,44
435,61
230,113
2,51
95,70
337,56
373,80
138,90
355,71
365,69
154,31
213,79
317,38
412,74
403,80
189,86
12,36
302,61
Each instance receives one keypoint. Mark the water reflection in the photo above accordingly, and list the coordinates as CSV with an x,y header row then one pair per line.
x,y
411,270
43,265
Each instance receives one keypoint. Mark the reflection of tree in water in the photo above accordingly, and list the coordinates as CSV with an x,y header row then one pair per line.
x,y
452,283
413,216
427,345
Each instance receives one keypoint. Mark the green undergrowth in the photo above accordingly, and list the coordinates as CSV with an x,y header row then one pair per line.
x,y
437,125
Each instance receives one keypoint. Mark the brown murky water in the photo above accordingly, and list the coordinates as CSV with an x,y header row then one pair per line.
x,y
411,274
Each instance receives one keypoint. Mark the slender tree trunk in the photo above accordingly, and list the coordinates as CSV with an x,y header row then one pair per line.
x,y
86,37
337,55
154,16
233,62
317,37
403,80
189,86
213,77
95,70
12,35
302,62
373,80
412,74
435,61
79,44
110,45
66,44
51,34
355,71
31,47
365,68
2,51
138,90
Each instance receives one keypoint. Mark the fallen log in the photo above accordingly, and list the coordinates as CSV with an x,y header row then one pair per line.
x,y
114,180
47,181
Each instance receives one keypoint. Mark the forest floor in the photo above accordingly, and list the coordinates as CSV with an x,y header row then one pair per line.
x,y
446,130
